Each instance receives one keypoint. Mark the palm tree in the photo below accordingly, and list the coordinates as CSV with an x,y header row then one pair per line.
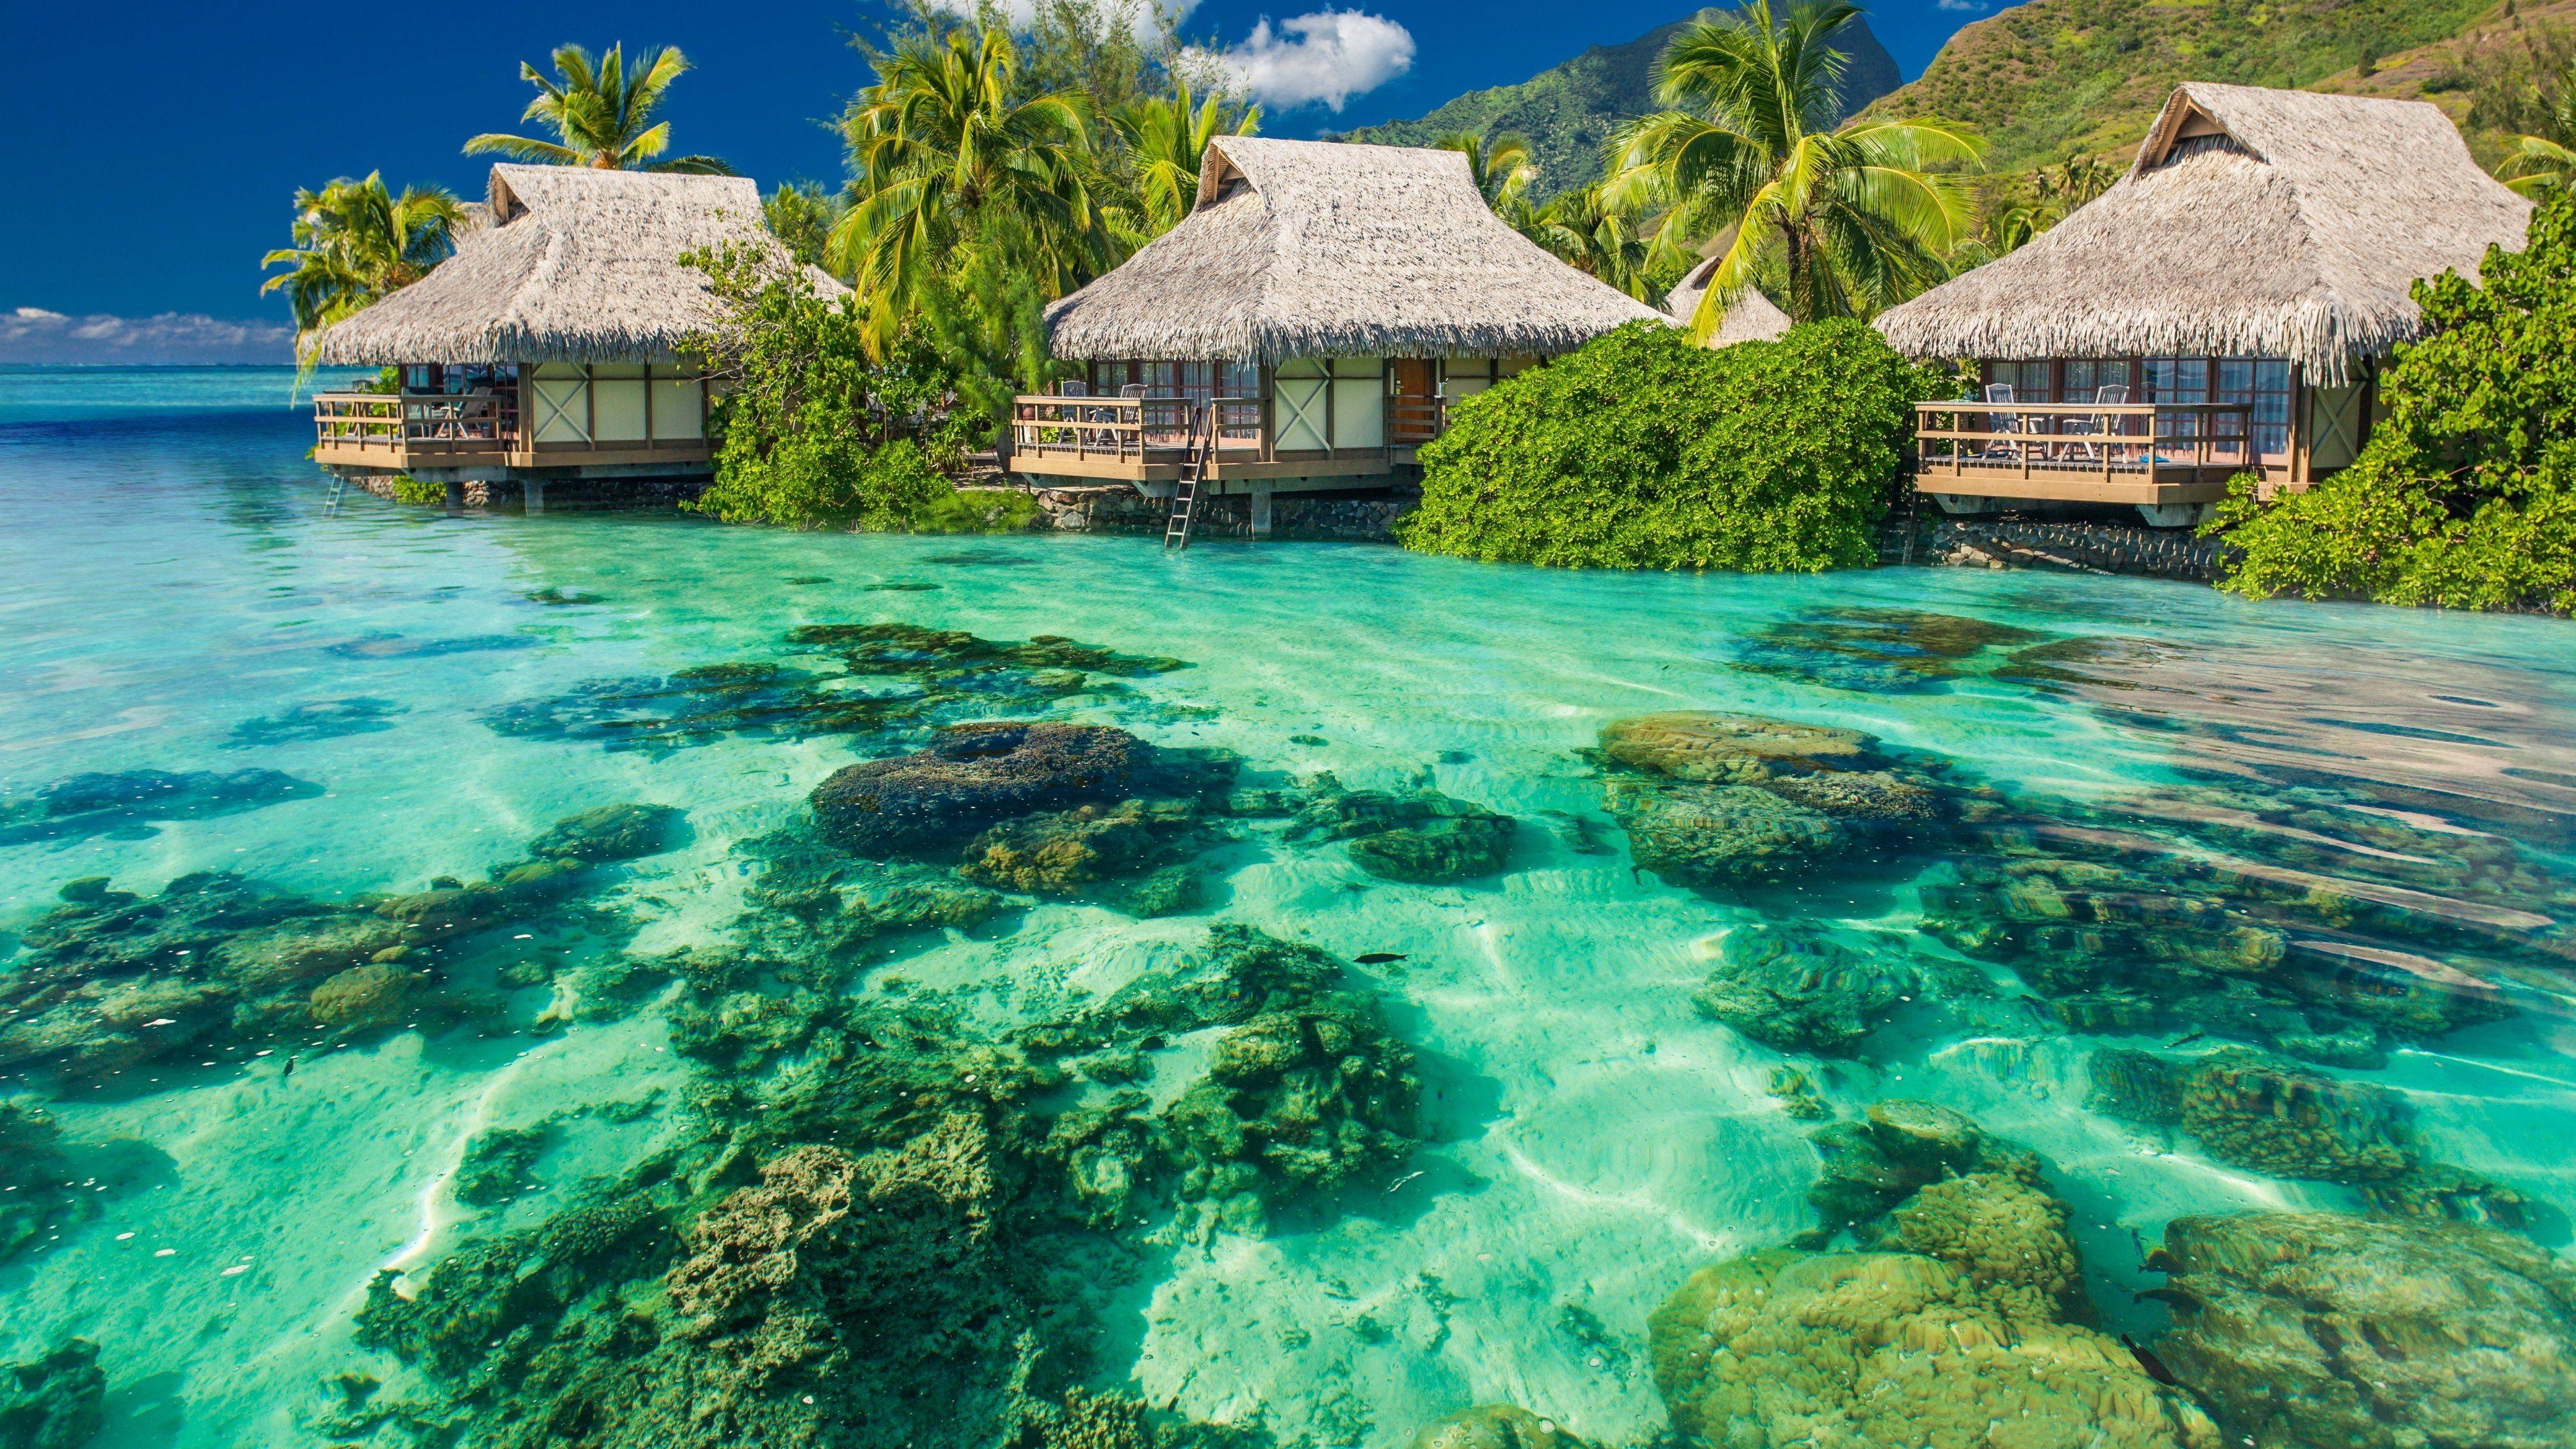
x,y
1501,166
354,243
1165,136
2540,167
941,135
601,114
1582,229
1853,217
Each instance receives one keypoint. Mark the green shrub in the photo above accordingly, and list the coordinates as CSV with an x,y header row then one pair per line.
x,y
408,489
2465,495
1642,451
811,431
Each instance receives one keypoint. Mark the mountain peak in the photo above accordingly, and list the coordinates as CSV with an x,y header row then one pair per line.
x,y
1568,111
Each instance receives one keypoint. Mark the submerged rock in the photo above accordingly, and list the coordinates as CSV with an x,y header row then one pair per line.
x,y
2319,1331
971,778
1893,1151
609,833
1704,835
1876,651
1420,836
132,800
2259,1111
1066,852
1779,1349
1798,989
57,1401
1732,749
324,719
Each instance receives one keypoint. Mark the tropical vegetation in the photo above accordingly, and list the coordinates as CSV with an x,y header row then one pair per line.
x,y
601,112
355,241
2529,95
1849,219
1643,450
1569,113
812,429
2465,495
2049,77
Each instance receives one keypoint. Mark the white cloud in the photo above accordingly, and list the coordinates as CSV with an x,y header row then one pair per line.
x,y
32,334
1144,19
1967,7
1327,57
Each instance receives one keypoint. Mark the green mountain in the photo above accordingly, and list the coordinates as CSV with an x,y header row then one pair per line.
x,y
2051,77
1569,111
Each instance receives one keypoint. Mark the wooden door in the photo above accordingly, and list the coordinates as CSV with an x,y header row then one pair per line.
x,y
1414,415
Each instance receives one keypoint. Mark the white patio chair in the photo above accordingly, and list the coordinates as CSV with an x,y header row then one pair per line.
x,y
2001,392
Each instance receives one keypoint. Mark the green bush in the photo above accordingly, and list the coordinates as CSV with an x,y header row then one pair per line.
x,y
1643,451
408,489
811,431
2465,495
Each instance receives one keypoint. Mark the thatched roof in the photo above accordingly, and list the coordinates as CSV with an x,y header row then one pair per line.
x,y
1323,249
1752,318
2253,222
574,264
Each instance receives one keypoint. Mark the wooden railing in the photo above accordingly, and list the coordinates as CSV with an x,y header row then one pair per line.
x,y
1128,428
2108,440
408,425
1413,418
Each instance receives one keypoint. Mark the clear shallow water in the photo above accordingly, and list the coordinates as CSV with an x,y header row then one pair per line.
x,y
175,596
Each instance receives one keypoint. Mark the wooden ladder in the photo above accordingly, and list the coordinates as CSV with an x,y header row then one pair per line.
x,y
1185,495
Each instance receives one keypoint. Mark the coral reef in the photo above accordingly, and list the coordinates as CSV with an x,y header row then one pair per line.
x,y
1798,989
2319,1331
1418,836
1876,651
1305,1098
1730,799
608,833
2259,1111
1495,1426
33,1171
495,1167
1891,1152
126,804
1797,1095
1954,1333
1070,852
111,979
53,1402
322,719
944,676
971,778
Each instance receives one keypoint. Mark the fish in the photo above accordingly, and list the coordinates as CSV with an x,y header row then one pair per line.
x,y
1379,958
2154,1366
2187,1038
288,1070
1401,1181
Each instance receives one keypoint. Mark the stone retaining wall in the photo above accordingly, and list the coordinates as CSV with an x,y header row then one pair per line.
x,y
2099,548
1307,517
561,493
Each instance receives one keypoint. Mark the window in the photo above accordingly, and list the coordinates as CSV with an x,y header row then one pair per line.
x,y
2171,380
2263,382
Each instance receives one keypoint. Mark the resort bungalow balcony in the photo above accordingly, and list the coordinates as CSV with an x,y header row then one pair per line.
x,y
2223,309
547,348
1307,327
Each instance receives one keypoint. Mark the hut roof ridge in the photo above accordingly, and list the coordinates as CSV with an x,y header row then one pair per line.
x,y
2298,237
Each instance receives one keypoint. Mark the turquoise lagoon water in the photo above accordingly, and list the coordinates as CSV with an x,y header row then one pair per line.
x,y
177,595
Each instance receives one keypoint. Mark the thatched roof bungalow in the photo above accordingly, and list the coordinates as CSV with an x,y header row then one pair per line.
x,y
548,344
1752,317
1323,303
2235,291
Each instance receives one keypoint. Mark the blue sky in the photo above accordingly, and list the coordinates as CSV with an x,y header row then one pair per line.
x,y
157,145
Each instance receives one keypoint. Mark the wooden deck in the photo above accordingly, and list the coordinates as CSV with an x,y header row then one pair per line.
x,y
403,433
2156,454
1146,440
